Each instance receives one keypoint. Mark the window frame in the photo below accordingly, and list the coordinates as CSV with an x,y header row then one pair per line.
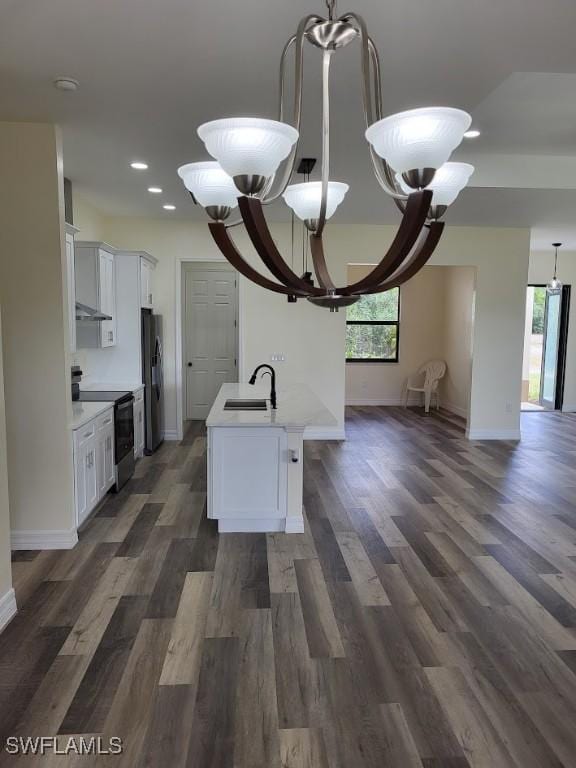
x,y
396,358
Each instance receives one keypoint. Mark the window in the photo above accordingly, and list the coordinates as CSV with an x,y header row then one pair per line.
x,y
372,328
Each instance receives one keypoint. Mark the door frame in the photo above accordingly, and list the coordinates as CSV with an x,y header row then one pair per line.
x,y
208,262
562,345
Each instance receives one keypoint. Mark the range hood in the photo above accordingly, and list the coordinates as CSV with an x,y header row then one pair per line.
x,y
84,312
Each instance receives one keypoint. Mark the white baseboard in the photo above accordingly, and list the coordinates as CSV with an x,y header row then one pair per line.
x,y
383,401
412,401
44,539
171,434
255,525
294,525
324,433
8,608
493,434
455,409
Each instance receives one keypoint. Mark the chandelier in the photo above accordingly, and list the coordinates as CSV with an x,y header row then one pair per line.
x,y
254,160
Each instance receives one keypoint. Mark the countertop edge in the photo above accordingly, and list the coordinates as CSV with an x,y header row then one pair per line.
x,y
96,409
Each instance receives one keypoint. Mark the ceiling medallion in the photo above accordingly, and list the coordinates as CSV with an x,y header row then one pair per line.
x,y
409,151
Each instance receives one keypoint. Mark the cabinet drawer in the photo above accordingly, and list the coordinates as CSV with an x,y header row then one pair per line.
x,y
105,420
85,433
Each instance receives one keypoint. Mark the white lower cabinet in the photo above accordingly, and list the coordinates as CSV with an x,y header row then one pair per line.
x,y
93,463
139,423
105,458
247,478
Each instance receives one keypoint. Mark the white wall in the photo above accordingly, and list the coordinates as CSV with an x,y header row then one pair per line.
x,y
313,340
540,272
35,323
7,600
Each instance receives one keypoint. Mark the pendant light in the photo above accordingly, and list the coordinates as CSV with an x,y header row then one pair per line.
x,y
555,286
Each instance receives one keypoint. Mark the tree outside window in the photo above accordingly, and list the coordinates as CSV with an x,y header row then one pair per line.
x,y
372,328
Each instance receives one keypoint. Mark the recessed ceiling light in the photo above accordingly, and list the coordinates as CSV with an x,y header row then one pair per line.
x,y
472,134
65,83
155,190
139,166
169,207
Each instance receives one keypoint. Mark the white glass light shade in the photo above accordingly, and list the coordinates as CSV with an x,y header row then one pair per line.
x,y
419,138
305,199
448,182
554,286
248,145
209,184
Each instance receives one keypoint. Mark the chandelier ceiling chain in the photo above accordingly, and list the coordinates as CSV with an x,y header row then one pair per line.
x,y
409,152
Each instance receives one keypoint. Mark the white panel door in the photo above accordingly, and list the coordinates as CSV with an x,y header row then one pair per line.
x,y
209,335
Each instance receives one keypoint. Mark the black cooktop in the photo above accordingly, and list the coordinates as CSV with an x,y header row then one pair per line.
x,y
88,396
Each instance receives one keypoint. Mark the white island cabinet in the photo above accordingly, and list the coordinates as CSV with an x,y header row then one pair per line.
x,y
255,458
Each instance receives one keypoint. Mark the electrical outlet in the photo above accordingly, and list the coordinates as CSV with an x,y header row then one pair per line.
x,y
508,407
277,357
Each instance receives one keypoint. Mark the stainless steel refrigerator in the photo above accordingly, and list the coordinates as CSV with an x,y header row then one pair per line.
x,y
153,380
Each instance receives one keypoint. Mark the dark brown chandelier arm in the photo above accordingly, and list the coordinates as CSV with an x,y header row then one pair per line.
x,y
257,228
319,260
415,263
413,220
230,252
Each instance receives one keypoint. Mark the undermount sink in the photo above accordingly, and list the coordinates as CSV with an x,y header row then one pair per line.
x,y
245,405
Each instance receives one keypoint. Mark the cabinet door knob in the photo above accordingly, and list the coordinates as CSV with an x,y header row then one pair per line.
x,y
189,365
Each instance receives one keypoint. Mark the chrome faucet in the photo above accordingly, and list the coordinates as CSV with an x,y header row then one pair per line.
x,y
272,374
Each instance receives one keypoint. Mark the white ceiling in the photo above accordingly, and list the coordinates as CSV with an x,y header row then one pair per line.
x,y
151,71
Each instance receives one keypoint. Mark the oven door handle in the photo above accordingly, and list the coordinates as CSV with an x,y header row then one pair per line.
x,y
127,404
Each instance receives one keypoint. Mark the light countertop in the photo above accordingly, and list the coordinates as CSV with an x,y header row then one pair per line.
x,y
297,407
82,413
115,386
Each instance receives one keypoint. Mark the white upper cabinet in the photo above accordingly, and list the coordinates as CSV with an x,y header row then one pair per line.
x,y
71,286
96,289
107,297
146,295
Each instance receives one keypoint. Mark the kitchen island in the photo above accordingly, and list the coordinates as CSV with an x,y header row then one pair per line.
x,y
255,458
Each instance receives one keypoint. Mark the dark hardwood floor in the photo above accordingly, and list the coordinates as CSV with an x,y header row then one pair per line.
x,y
426,619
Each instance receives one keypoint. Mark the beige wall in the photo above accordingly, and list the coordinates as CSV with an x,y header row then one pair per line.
x,y
313,340
541,270
5,567
457,337
87,218
35,323
421,334
500,259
